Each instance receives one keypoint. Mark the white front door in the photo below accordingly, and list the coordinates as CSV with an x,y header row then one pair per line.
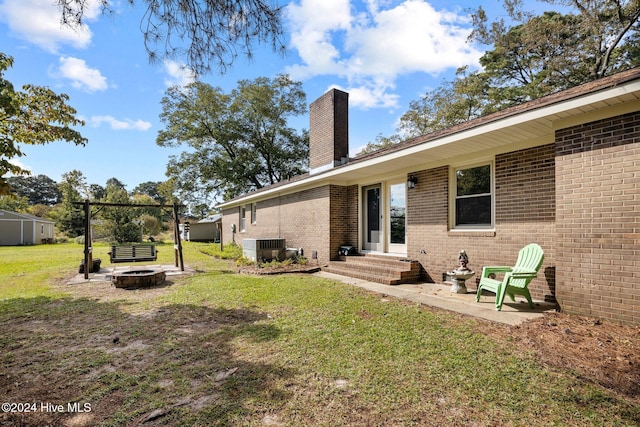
x,y
372,218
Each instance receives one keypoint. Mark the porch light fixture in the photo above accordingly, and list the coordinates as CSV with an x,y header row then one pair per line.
x,y
412,181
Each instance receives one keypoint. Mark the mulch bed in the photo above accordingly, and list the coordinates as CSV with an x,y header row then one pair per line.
x,y
605,352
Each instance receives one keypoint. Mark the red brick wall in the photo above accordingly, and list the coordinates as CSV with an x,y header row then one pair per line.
x,y
525,213
344,218
427,225
598,218
303,220
329,129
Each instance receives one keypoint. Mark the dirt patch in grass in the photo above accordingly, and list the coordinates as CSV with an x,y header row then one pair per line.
x,y
103,344
600,351
85,360
106,292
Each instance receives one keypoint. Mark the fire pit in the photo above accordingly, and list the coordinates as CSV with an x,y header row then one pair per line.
x,y
131,279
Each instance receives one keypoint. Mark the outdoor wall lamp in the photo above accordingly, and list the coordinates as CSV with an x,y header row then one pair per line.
x,y
412,181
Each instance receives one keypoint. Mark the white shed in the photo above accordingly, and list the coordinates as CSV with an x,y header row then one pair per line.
x,y
24,229
205,230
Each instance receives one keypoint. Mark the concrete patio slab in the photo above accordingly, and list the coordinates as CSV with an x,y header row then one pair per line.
x,y
105,273
440,295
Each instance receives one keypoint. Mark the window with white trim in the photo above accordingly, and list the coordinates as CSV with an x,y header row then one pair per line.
x,y
243,218
254,213
473,196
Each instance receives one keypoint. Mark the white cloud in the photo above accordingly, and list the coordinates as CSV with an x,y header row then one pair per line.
x,y
81,75
320,15
178,74
372,96
21,165
39,22
371,49
115,124
313,23
411,37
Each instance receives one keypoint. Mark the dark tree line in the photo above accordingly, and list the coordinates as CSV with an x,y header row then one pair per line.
x,y
41,196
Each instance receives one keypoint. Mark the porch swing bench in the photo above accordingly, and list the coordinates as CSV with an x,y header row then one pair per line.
x,y
133,253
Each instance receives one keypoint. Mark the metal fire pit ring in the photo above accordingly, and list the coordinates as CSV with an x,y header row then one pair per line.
x,y
138,278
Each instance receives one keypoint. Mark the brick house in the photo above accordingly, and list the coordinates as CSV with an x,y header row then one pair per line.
x,y
562,171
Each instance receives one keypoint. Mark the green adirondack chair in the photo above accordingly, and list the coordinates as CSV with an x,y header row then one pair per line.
x,y
516,278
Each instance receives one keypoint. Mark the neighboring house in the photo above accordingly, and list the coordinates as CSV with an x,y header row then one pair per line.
x,y
205,230
562,171
23,229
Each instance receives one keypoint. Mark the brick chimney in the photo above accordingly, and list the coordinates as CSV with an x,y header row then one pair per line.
x,y
329,131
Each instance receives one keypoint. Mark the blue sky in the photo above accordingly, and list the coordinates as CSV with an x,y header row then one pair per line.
x,y
385,53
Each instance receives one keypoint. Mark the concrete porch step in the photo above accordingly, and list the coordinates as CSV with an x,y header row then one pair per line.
x,y
390,260
376,268
370,277
370,269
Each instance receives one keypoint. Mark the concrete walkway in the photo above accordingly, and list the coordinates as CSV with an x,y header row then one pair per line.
x,y
439,295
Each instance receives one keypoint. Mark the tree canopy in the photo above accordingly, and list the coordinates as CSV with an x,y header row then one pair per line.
x,y
43,197
239,142
596,39
153,189
533,56
122,224
35,115
70,219
543,54
207,33
39,189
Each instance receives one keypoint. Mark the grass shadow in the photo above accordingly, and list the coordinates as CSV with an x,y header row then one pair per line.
x,y
179,363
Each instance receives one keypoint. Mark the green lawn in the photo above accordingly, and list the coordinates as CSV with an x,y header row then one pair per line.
x,y
218,348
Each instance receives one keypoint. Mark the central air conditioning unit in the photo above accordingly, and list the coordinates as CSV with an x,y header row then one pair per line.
x,y
263,249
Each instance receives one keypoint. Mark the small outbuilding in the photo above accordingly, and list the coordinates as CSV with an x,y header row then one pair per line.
x,y
205,230
24,229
